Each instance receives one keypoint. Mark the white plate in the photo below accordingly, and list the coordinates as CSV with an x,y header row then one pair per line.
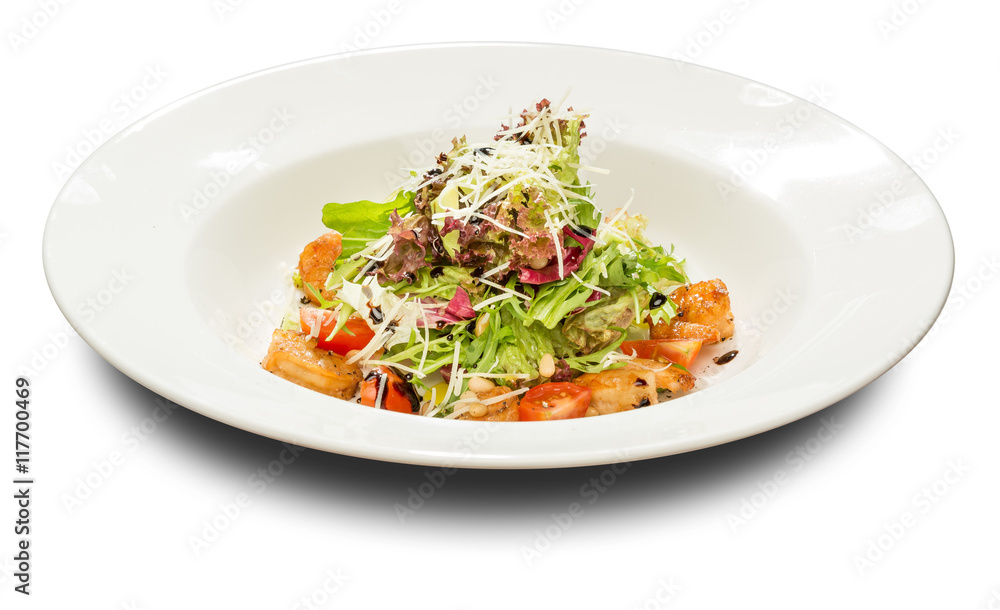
x,y
165,249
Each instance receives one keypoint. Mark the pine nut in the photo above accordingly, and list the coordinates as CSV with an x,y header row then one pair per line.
x,y
480,384
468,395
547,366
478,409
538,263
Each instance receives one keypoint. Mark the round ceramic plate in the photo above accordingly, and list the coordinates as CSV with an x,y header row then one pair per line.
x,y
167,249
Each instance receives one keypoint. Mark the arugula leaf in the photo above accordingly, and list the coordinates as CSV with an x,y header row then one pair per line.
x,y
361,222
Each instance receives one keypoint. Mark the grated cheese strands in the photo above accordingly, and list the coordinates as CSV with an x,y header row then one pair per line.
x,y
430,403
315,328
501,375
591,286
517,163
402,367
462,405
435,410
650,368
556,234
591,168
383,381
615,357
491,300
427,338
609,226
456,374
382,335
505,289
374,246
383,253
497,223
458,411
495,270
502,397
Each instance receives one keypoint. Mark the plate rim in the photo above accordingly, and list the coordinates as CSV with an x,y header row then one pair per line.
x,y
523,461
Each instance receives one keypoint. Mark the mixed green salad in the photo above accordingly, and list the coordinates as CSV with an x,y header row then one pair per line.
x,y
494,263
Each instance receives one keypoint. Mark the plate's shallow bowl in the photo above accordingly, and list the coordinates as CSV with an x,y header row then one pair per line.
x,y
178,229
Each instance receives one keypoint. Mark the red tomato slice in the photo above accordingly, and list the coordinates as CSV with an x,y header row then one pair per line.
x,y
342,342
679,352
396,394
554,400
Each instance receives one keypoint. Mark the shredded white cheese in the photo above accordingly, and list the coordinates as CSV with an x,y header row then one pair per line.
x,y
495,270
505,289
396,365
462,406
591,286
492,300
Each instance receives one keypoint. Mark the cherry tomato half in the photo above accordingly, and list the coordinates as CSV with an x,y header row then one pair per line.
x,y
342,342
554,400
679,352
395,393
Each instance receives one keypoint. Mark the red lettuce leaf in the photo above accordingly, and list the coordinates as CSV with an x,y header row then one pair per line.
x,y
411,238
460,306
572,259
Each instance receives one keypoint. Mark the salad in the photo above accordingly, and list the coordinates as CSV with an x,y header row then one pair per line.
x,y
491,287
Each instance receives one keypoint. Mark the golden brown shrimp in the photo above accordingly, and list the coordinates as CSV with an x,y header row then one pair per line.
x,y
703,313
295,357
505,410
633,385
316,263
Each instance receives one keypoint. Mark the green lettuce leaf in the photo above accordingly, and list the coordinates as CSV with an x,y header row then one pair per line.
x,y
441,284
361,222
586,214
564,162
597,327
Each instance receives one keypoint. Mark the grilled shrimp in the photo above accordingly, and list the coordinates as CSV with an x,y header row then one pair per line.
x,y
671,378
316,264
295,357
677,330
505,410
703,313
634,385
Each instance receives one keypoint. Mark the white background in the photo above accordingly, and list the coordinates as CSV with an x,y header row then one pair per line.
x,y
920,77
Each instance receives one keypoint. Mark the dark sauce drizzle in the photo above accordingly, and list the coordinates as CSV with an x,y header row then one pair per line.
x,y
403,388
726,358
